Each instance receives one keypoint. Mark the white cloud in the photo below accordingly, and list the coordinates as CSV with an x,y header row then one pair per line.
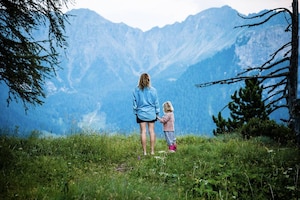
x,y
146,14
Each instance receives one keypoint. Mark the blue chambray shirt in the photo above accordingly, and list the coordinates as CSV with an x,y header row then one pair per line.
x,y
145,103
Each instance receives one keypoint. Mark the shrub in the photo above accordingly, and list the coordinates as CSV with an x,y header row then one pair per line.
x,y
257,127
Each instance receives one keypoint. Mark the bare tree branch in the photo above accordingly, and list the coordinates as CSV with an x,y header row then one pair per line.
x,y
277,12
262,67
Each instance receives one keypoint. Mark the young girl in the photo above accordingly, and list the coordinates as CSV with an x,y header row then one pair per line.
x,y
168,123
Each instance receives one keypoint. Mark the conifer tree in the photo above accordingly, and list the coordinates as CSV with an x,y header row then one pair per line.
x,y
246,104
223,125
25,61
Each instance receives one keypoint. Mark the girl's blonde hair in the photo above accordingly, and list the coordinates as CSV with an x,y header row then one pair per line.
x,y
144,81
168,107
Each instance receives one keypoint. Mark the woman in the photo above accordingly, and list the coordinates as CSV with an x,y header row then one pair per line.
x,y
146,108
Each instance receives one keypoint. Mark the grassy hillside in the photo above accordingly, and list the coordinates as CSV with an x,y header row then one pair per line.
x,y
94,166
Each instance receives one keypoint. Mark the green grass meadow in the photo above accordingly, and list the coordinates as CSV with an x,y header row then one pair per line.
x,y
103,166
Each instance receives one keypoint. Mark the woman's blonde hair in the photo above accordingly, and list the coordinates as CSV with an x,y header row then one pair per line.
x,y
168,107
144,81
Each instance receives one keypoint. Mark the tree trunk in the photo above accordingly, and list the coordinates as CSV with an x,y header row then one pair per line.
x,y
293,102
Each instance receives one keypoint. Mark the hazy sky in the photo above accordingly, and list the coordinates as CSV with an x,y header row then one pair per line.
x,y
145,14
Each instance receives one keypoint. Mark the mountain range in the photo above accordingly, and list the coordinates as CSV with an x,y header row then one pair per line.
x,y
103,61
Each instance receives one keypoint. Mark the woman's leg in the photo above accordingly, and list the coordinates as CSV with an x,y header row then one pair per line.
x,y
152,136
143,136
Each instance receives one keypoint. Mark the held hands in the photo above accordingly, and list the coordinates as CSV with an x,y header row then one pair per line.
x,y
157,117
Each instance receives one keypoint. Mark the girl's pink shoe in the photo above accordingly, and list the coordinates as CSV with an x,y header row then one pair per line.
x,y
172,148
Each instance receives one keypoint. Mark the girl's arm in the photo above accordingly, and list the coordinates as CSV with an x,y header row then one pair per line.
x,y
164,119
